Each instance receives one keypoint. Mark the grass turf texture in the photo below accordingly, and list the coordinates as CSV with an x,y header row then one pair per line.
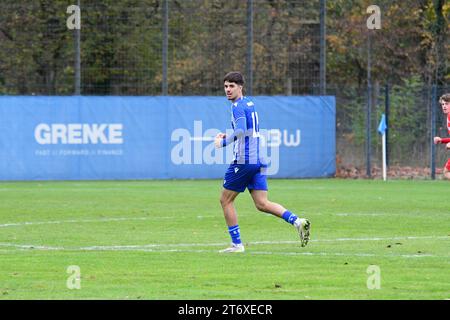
x,y
160,240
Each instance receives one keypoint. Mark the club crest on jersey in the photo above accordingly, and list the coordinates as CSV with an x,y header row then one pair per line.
x,y
236,170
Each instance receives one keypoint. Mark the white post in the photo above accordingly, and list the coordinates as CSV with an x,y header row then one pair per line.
x,y
384,157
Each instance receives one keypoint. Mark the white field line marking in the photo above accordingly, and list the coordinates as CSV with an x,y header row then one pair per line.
x,y
30,223
360,214
23,247
360,239
159,245
379,214
19,224
154,247
29,246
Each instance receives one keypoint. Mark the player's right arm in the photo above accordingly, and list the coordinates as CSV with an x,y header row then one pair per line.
x,y
240,125
441,140
222,140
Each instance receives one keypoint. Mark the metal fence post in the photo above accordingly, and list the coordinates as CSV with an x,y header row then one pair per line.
x,y
323,46
433,132
165,48
369,107
249,65
78,58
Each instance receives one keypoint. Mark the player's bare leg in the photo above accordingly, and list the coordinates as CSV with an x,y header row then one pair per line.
x,y
446,174
229,212
227,203
263,204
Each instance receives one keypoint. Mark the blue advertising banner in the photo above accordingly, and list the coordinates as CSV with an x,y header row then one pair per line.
x,y
85,138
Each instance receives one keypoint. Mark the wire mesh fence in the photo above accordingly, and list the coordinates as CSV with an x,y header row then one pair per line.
x,y
410,131
121,46
284,47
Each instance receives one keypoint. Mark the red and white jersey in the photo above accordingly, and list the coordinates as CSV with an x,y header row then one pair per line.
x,y
447,140
448,123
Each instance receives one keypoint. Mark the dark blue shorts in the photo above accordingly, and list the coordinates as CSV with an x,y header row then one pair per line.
x,y
241,176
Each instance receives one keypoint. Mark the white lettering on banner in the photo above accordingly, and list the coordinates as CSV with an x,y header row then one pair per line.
x,y
78,133
273,138
198,148
291,142
276,138
181,153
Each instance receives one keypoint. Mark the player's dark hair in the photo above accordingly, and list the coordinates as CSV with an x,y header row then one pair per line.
x,y
235,77
445,97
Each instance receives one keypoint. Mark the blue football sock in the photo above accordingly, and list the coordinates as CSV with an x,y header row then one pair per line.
x,y
235,234
289,217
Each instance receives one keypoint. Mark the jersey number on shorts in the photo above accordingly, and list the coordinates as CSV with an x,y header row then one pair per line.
x,y
255,123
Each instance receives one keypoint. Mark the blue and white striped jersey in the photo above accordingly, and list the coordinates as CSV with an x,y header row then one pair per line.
x,y
247,146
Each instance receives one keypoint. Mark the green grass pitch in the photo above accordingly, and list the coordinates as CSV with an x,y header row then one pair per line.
x,y
160,240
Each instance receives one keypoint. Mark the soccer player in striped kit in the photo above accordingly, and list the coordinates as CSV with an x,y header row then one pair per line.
x,y
445,103
247,168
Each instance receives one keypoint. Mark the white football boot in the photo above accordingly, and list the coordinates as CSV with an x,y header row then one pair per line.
x,y
234,248
303,227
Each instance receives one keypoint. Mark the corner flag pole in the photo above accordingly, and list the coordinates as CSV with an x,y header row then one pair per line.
x,y
382,130
384,156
